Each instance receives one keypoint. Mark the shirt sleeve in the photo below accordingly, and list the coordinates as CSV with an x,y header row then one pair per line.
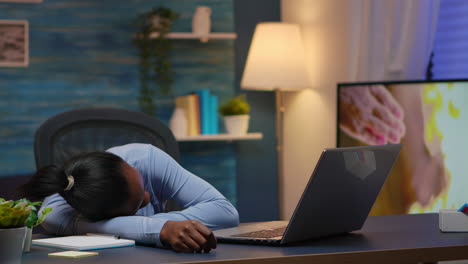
x,y
65,221
200,200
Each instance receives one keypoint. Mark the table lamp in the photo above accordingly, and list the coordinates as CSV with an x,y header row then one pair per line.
x,y
276,63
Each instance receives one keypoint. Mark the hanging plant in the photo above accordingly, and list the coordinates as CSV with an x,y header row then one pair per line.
x,y
154,49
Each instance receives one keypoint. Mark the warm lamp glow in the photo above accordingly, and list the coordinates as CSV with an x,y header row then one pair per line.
x,y
276,59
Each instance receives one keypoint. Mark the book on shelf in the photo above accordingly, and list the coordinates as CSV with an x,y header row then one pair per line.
x,y
197,113
204,95
190,105
201,110
214,115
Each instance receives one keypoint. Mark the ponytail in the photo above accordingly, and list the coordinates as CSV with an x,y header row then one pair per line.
x,y
47,181
93,183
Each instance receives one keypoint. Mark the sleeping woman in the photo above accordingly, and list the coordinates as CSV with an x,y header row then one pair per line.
x,y
124,190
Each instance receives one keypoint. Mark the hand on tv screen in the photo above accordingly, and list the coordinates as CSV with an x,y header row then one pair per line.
x,y
429,178
371,114
423,161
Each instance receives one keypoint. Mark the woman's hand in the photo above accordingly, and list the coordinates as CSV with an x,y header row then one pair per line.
x,y
188,236
371,115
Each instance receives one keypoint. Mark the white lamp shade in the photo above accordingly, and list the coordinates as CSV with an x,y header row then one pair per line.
x,y
276,59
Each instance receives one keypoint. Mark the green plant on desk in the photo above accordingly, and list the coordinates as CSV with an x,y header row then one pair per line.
x,y
17,219
21,213
13,214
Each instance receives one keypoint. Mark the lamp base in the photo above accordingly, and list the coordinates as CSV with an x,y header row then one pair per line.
x,y
279,145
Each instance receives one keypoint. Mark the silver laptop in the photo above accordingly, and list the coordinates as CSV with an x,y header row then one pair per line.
x,y
337,199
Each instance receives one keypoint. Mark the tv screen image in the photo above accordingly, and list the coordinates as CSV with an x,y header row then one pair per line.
x,y
430,120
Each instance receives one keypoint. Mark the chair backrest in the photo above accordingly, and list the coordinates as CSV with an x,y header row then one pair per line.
x,y
97,129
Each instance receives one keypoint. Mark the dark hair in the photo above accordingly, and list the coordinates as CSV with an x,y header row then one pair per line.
x,y
100,187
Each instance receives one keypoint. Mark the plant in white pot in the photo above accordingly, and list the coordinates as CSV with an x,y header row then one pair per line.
x,y
35,218
15,219
236,115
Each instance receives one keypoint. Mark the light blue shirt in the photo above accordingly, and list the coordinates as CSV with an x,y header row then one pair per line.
x,y
164,179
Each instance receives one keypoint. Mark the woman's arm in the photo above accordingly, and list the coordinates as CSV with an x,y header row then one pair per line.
x,y
169,181
200,200
204,207
64,221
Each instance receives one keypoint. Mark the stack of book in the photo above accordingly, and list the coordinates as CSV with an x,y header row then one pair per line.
x,y
201,111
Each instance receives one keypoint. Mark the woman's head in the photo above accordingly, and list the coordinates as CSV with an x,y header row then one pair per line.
x,y
99,185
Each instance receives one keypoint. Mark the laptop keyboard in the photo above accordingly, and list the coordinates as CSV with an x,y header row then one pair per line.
x,y
268,233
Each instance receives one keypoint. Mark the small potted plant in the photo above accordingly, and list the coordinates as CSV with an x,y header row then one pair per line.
x,y
236,115
33,220
15,219
154,50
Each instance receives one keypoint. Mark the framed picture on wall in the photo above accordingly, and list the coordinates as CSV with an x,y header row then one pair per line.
x,y
14,43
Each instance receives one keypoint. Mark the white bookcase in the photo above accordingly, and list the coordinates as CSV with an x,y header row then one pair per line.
x,y
202,38
221,137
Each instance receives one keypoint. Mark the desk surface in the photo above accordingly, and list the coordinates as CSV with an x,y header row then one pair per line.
x,y
383,239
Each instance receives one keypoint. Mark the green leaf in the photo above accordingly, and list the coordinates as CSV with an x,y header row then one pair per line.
x,y
36,204
21,205
43,215
7,204
32,219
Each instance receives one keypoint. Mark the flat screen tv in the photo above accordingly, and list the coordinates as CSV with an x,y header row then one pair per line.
x,y
430,120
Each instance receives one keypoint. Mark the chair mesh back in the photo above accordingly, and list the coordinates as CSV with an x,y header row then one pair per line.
x,y
99,136
97,129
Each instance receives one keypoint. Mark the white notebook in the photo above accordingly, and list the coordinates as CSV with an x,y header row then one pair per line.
x,y
84,242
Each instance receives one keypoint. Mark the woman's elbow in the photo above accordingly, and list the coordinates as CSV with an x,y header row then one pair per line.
x,y
58,223
232,217
51,227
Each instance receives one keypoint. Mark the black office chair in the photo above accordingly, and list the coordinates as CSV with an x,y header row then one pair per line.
x,y
97,129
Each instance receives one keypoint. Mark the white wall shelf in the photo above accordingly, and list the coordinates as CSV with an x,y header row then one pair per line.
x,y
221,137
202,38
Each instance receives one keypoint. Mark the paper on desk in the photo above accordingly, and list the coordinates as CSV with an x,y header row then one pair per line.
x,y
83,242
73,254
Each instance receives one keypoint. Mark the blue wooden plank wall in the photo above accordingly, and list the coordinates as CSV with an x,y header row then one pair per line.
x,y
81,55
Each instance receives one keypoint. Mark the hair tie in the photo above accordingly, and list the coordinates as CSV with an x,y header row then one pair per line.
x,y
71,182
